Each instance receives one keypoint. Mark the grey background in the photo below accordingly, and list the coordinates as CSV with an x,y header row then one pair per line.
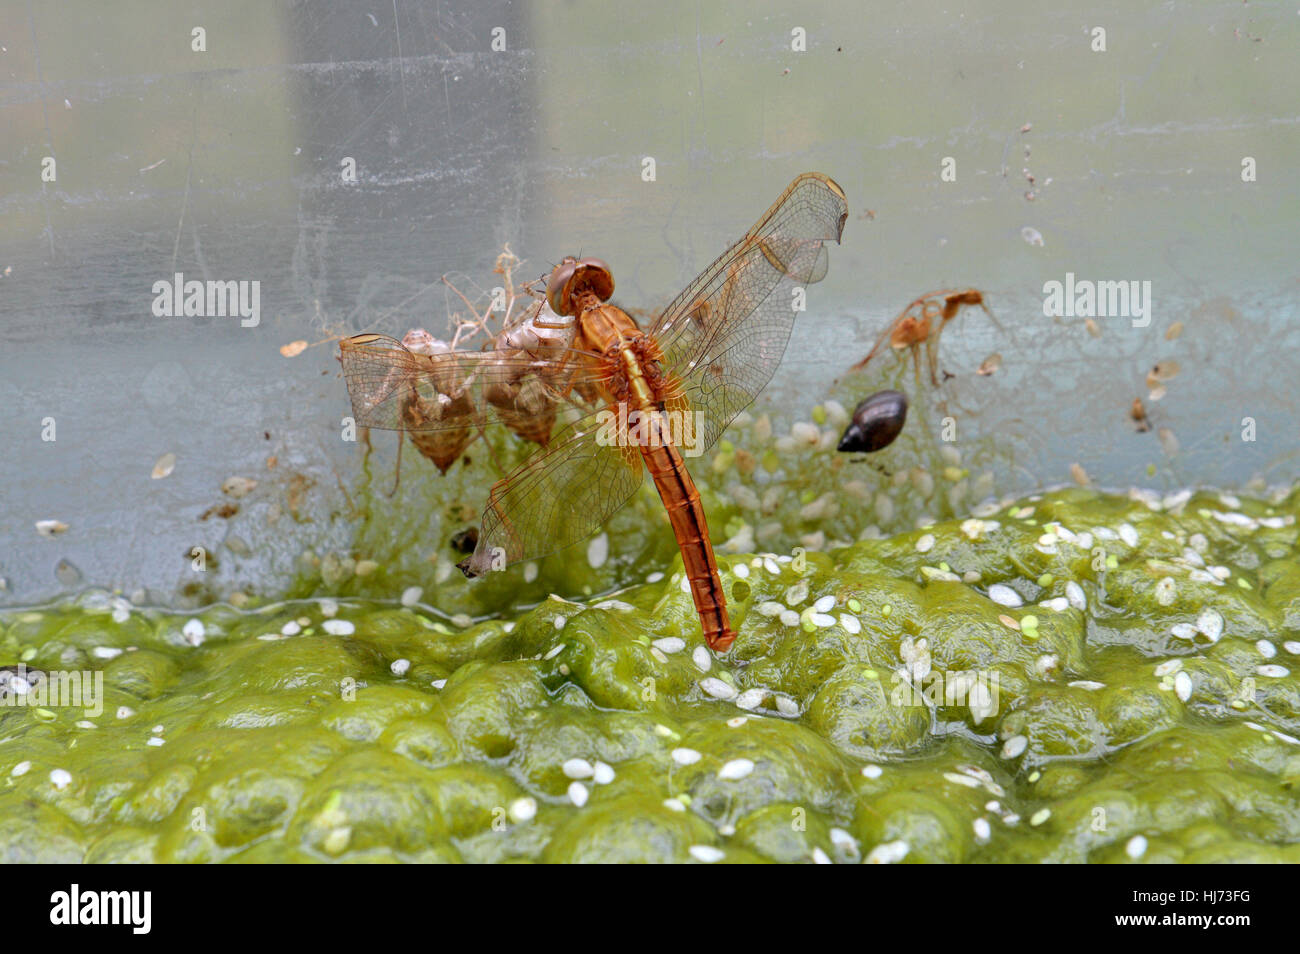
x,y
226,165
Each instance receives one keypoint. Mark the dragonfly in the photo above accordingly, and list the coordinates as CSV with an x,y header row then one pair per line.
x,y
635,400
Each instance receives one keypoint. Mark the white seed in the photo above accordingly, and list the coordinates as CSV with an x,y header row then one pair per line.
x,y
156,741
556,649
706,853
982,830
1074,593
805,433
578,794
1273,671
1166,591
822,620
717,688
740,571
1266,649
1183,686
789,617
60,778
686,756
787,706
820,857
850,623
194,631
400,667
1136,847
824,604
602,773
1014,746
530,571
654,577
577,768
106,652
1210,623
1168,666
22,768
522,809
291,628
871,770
1292,646
339,627
1090,684
598,551
670,644
411,595
888,853
1040,816
702,658
1183,630
1004,595
735,770
125,712
842,840
751,698
925,544
1128,534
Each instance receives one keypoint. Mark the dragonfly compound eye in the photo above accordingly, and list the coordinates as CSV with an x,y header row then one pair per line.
x,y
572,277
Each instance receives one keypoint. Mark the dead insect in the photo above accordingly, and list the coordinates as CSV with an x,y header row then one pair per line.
x,y
921,323
877,420
1138,412
465,541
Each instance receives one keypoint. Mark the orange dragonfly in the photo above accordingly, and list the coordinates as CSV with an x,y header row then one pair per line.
x,y
642,398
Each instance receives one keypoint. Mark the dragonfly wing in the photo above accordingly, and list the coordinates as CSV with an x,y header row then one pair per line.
x,y
394,388
556,498
725,335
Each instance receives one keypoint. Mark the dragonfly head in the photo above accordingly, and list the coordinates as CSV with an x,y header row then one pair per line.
x,y
574,276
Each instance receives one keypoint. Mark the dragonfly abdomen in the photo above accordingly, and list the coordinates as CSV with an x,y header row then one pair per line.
x,y
686,515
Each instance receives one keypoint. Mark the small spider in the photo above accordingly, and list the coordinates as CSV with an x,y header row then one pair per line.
x,y
915,325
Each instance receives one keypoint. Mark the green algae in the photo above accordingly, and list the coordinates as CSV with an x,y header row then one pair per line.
x,y
1155,696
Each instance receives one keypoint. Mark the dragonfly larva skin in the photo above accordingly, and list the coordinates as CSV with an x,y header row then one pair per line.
x,y
423,404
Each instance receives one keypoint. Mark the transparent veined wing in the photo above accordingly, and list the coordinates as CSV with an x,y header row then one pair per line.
x,y
556,498
724,336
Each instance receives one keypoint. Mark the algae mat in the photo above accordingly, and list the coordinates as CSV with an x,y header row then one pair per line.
x,y
1071,677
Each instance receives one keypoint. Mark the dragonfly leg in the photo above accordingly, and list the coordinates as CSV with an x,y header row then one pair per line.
x,y
397,473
